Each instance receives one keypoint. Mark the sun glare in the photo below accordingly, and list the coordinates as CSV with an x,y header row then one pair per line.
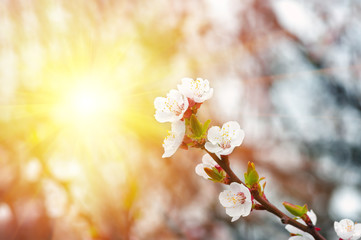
x,y
84,105
88,103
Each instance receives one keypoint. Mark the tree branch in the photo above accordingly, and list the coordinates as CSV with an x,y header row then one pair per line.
x,y
224,164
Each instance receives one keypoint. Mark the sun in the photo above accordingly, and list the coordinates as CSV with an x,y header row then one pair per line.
x,y
87,104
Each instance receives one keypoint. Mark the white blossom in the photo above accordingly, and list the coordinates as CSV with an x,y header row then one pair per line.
x,y
207,162
299,234
237,201
174,139
170,108
347,229
223,140
198,90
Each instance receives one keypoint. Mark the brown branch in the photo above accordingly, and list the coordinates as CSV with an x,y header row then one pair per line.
x,y
224,164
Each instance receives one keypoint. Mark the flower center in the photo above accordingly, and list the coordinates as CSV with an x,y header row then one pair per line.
x,y
225,139
349,228
226,143
236,199
173,107
197,88
241,197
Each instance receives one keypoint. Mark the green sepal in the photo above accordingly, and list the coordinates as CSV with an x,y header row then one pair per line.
x,y
214,174
196,126
251,176
296,210
205,127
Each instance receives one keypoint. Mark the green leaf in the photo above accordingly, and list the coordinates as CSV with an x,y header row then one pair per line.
x,y
251,176
196,126
205,127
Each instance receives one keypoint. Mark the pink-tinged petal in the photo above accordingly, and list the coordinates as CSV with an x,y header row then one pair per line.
x,y
235,187
200,171
214,135
235,218
171,108
246,192
357,232
213,148
238,137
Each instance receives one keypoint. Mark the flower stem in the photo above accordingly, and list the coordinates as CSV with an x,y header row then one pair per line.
x,y
224,163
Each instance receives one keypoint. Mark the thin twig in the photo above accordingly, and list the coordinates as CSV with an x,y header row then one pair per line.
x,y
224,164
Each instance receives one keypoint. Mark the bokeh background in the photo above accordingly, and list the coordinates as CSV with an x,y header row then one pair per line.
x,y
80,150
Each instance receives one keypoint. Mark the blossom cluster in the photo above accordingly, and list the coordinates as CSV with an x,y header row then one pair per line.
x,y
180,107
177,108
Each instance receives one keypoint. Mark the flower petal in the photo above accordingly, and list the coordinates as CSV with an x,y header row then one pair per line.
x,y
163,116
235,211
247,207
226,151
357,232
171,108
344,229
200,171
294,230
213,148
224,198
230,127
214,135
235,187
168,152
174,139
246,192
208,160
298,238
179,128
238,137
185,87
235,218
311,214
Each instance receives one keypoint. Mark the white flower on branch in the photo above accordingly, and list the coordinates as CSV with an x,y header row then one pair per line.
x,y
299,234
223,140
347,229
198,90
170,108
207,162
174,139
237,201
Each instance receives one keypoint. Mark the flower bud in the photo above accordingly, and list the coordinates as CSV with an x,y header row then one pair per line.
x,y
296,209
